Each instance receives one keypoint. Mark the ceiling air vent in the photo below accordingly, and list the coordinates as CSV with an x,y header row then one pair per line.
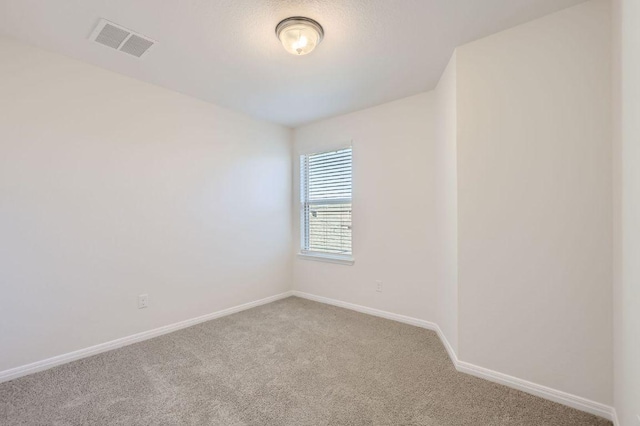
x,y
120,38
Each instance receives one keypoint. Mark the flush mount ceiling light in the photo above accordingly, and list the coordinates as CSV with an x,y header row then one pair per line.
x,y
299,35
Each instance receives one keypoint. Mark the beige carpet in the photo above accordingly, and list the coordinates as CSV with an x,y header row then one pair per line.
x,y
292,362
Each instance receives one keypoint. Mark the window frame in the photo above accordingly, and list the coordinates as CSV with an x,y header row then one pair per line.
x,y
344,259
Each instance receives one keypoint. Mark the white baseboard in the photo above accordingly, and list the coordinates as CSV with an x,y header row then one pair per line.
x,y
45,364
554,395
614,419
366,310
545,392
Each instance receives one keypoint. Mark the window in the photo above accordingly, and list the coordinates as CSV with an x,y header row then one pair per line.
x,y
325,204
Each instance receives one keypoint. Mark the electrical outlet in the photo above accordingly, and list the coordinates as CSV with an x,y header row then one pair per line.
x,y
143,301
379,286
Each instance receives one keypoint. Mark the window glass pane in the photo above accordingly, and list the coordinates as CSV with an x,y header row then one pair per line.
x,y
330,228
325,195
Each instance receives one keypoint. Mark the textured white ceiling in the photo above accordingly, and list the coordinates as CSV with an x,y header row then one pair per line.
x,y
225,51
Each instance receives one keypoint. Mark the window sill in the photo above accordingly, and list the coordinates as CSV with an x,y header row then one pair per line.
x,y
330,258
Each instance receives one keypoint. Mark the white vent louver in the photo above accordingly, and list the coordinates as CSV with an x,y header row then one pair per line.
x,y
120,38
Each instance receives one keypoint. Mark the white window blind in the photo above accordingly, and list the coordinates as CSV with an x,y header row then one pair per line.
x,y
325,202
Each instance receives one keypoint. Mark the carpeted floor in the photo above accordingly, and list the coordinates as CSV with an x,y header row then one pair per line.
x,y
293,362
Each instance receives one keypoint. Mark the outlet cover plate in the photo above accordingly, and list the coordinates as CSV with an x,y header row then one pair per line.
x,y
143,301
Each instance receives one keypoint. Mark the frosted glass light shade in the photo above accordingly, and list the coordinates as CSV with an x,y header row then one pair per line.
x,y
299,35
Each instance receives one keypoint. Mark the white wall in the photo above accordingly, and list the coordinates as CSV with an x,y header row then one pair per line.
x,y
109,188
447,203
627,225
534,202
393,208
